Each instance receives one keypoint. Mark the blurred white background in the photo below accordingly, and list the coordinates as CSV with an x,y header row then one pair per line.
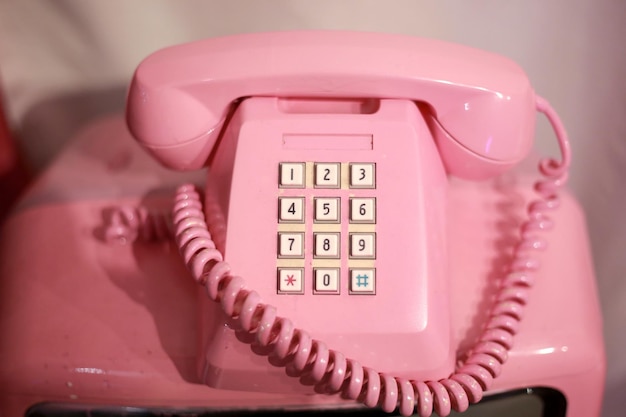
x,y
64,63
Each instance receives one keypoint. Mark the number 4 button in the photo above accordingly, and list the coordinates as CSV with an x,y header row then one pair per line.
x,y
291,209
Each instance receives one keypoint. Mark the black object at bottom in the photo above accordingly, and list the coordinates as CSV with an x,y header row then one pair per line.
x,y
529,402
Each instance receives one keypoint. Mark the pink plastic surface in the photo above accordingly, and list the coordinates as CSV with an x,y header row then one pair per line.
x,y
84,321
483,103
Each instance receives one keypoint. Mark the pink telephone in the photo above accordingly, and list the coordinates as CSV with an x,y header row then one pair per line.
x,y
341,256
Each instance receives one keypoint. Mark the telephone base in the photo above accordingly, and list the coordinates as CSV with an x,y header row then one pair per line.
x,y
85,322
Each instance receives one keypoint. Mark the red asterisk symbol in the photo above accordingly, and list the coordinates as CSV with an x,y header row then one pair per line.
x,y
290,280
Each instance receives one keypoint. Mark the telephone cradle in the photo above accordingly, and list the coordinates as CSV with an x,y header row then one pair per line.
x,y
357,224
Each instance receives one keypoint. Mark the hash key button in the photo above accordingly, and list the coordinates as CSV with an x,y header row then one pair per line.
x,y
362,281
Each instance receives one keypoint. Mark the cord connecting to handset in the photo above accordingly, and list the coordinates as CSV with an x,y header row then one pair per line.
x,y
301,355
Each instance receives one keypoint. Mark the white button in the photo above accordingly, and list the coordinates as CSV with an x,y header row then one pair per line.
x,y
362,245
290,280
327,175
327,210
326,280
290,245
362,175
363,210
291,209
326,245
291,175
362,281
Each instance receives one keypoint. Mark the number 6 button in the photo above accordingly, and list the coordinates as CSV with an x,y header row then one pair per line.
x,y
363,210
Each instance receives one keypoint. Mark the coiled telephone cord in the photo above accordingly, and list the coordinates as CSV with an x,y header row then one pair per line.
x,y
330,370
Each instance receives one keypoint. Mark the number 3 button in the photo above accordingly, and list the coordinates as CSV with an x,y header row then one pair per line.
x,y
363,175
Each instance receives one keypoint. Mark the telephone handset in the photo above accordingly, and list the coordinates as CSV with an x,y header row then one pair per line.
x,y
326,190
481,105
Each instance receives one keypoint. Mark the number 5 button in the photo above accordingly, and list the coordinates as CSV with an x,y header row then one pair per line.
x,y
363,210
327,210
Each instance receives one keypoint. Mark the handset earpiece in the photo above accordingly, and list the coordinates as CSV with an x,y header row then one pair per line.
x,y
175,126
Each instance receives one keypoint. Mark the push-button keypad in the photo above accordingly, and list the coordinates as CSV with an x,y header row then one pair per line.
x,y
326,228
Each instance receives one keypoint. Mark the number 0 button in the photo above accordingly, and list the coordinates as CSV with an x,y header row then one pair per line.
x,y
363,210
326,280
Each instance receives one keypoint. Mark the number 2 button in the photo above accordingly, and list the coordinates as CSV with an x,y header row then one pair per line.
x,y
327,175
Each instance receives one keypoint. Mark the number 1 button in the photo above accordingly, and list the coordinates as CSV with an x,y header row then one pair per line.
x,y
291,175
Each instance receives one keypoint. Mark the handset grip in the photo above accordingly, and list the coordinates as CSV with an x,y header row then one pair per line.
x,y
180,96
